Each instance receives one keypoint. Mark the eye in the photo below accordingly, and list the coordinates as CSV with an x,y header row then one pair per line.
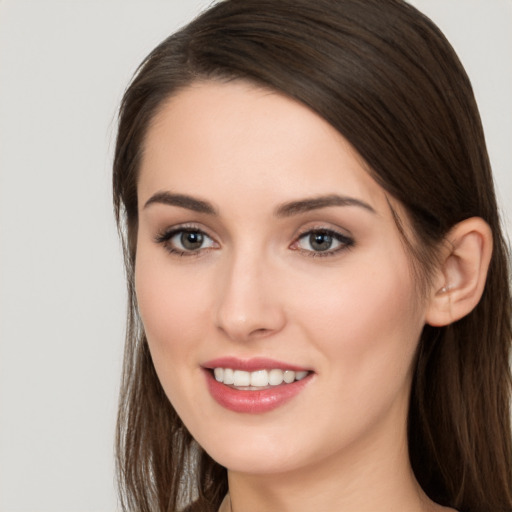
x,y
185,241
322,242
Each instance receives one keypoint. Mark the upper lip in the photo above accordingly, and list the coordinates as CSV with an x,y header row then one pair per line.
x,y
251,365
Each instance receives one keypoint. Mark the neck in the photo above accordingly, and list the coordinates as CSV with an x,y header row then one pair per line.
x,y
373,474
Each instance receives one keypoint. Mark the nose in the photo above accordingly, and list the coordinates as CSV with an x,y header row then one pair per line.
x,y
249,304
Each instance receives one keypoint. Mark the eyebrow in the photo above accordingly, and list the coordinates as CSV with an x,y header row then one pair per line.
x,y
306,205
183,201
285,210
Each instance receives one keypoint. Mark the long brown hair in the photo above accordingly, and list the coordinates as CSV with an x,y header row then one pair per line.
x,y
387,79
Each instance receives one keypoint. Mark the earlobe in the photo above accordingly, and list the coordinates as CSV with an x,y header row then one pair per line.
x,y
462,272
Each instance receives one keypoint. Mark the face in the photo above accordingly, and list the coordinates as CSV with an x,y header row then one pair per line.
x,y
266,252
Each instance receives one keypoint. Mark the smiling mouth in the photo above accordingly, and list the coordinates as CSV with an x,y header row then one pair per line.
x,y
257,380
254,386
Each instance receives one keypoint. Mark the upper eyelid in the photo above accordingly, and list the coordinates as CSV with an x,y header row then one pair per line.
x,y
342,238
321,226
345,242
172,230
164,238
324,230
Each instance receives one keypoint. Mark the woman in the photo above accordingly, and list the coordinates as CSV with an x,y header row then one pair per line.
x,y
319,312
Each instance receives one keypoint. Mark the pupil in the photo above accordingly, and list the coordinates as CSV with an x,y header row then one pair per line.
x,y
191,240
320,241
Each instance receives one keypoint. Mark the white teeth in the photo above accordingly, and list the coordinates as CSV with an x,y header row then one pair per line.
x,y
228,376
257,379
289,376
275,377
242,378
219,374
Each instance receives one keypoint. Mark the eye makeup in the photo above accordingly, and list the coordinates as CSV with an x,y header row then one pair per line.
x,y
322,242
185,240
190,240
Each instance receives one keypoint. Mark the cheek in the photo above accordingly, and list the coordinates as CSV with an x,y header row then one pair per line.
x,y
369,324
172,310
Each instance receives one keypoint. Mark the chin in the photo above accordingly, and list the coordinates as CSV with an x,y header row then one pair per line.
x,y
252,463
260,454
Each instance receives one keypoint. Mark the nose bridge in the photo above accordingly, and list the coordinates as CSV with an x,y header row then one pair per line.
x,y
247,302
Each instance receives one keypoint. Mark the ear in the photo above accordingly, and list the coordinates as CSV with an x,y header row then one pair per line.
x,y
460,278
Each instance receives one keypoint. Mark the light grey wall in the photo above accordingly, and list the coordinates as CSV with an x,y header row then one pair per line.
x,y
63,68
481,33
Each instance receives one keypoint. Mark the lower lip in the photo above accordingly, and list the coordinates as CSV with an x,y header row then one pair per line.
x,y
253,402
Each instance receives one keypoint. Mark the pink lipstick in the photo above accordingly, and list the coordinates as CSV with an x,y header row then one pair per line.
x,y
255,385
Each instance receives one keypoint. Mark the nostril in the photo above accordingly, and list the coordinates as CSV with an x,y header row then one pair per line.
x,y
260,331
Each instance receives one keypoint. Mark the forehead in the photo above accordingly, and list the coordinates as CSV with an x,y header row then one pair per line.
x,y
220,137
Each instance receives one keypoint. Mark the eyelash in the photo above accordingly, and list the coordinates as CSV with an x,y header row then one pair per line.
x,y
345,242
165,237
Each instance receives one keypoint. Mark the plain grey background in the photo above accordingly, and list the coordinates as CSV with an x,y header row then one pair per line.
x,y
63,68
